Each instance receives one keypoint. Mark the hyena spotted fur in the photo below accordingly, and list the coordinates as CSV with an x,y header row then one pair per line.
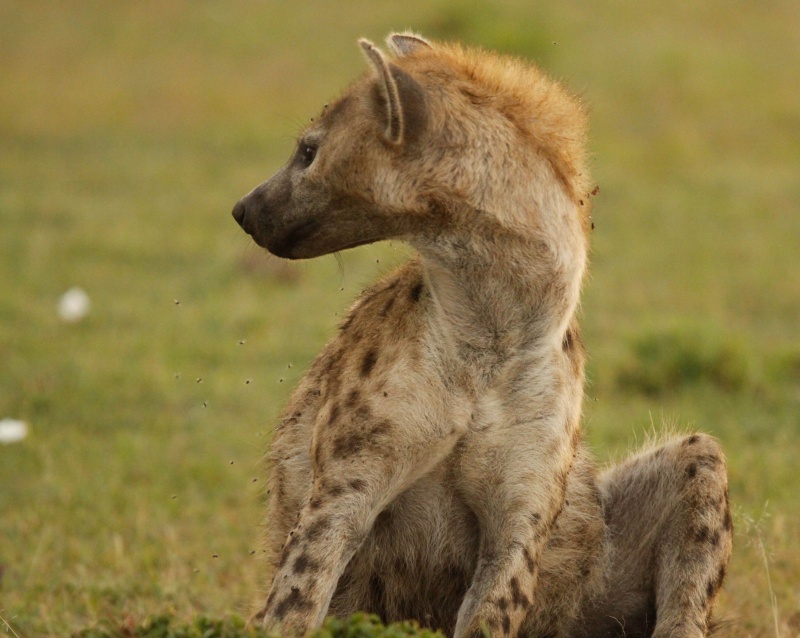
x,y
430,465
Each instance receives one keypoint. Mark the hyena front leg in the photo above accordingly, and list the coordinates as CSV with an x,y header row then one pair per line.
x,y
356,474
514,477
670,531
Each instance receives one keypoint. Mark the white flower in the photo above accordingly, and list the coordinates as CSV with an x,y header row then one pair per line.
x,y
73,305
12,430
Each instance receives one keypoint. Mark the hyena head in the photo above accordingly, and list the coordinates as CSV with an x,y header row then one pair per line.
x,y
433,125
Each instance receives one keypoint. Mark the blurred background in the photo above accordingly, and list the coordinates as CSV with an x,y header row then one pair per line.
x,y
136,419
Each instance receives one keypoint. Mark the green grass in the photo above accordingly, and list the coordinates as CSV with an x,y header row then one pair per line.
x,y
127,132
359,625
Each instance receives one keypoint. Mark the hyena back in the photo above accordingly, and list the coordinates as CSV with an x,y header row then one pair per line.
x,y
430,464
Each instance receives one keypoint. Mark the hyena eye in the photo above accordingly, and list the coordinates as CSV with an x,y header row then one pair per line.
x,y
307,154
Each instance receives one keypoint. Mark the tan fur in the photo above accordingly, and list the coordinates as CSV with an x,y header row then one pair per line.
x,y
430,463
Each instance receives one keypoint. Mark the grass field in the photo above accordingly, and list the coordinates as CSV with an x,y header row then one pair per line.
x,y
127,132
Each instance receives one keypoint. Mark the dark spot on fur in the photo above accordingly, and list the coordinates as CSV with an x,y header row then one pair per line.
x,y
567,343
318,456
535,519
335,489
294,601
353,443
691,471
348,444
294,539
493,623
387,306
691,440
528,560
517,597
506,624
359,485
705,535
368,363
345,325
270,598
352,398
382,427
304,564
702,535
285,554
334,415
315,503
728,523
721,575
317,528
416,291
278,482
503,603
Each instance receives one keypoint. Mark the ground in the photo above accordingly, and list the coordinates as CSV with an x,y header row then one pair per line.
x,y
127,132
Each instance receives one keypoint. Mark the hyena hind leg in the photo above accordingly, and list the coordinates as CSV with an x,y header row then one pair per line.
x,y
669,535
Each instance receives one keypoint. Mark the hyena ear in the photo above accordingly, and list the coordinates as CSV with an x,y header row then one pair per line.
x,y
400,98
406,43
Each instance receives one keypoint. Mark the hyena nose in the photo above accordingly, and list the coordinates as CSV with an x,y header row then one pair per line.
x,y
239,212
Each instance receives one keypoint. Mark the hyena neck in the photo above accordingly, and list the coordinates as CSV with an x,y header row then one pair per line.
x,y
500,289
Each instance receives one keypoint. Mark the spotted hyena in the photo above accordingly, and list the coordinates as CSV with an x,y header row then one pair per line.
x,y
430,465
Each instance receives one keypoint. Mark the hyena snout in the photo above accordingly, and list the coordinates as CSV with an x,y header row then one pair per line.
x,y
240,214
252,214
266,215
